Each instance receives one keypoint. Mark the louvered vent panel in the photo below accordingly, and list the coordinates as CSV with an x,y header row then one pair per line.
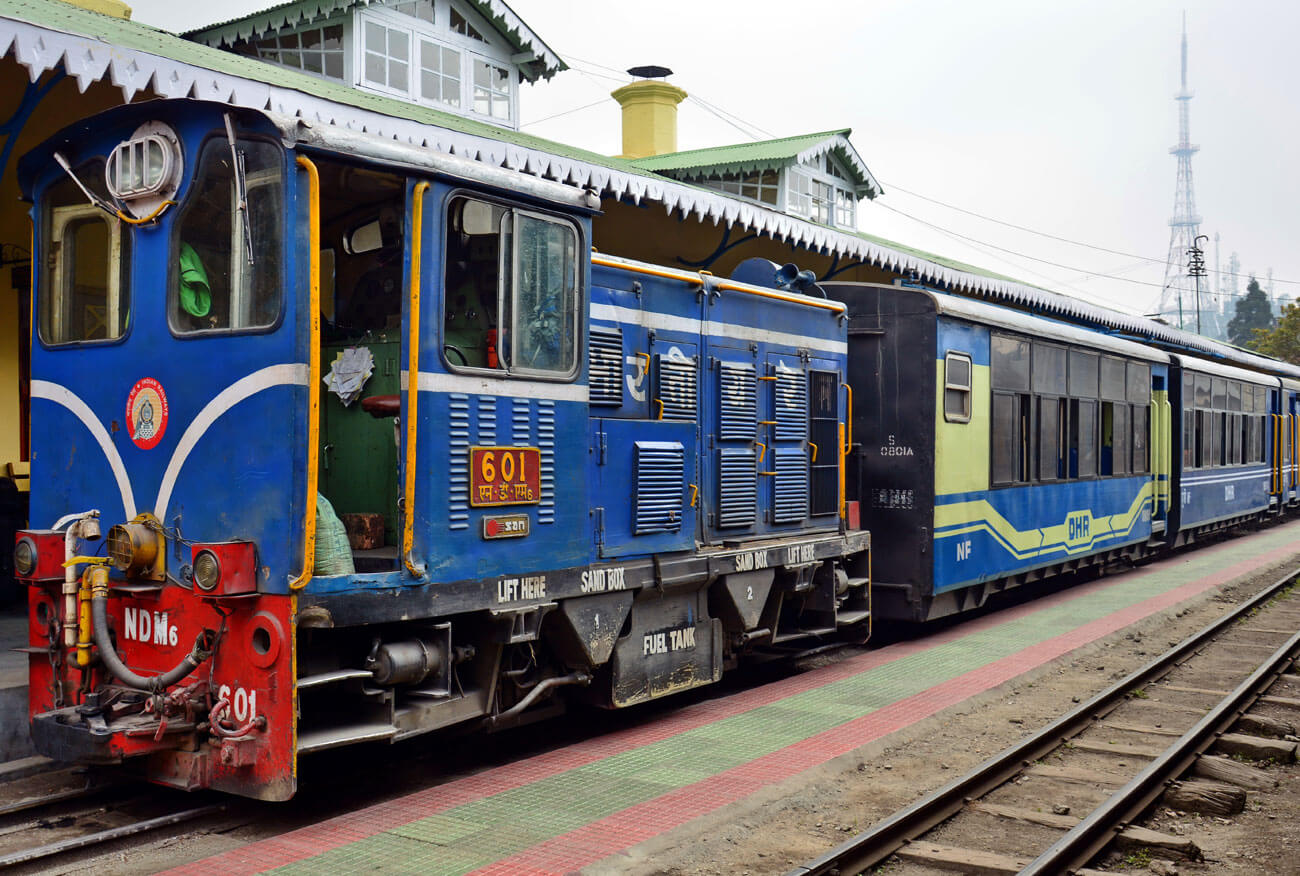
x,y
605,373
737,487
737,401
678,388
789,485
458,448
660,473
791,405
545,424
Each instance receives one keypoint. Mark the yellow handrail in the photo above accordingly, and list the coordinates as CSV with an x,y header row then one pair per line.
x,y
413,377
846,447
313,378
698,280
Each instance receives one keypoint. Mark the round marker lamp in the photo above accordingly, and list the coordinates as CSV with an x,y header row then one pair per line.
x,y
207,571
25,557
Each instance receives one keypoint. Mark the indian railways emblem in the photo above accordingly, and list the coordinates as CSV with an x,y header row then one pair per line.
x,y
146,413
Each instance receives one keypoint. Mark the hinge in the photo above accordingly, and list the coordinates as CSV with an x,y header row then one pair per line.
x,y
602,447
598,523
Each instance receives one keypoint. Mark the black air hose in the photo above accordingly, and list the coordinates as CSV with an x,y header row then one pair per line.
x,y
156,684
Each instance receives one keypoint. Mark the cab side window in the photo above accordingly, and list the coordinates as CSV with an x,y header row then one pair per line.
x,y
511,290
86,253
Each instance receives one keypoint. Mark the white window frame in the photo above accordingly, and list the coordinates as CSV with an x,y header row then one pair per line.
x,y
816,172
359,50
512,89
493,52
967,388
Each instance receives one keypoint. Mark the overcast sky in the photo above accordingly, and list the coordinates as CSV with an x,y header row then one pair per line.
x,y
1053,116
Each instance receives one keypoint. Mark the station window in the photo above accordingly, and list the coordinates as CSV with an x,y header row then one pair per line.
x,y
957,388
491,90
434,54
511,290
226,271
86,254
317,50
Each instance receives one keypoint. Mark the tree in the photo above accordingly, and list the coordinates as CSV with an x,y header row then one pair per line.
x,y
1252,312
1282,340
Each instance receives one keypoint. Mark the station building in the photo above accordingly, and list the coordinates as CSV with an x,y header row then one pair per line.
x,y
445,76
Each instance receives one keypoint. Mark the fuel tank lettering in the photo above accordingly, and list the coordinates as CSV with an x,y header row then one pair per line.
x,y
669,640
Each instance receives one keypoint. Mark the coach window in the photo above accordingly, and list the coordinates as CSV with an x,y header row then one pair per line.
x,y
957,388
1011,420
226,270
1139,396
1050,389
511,290
85,257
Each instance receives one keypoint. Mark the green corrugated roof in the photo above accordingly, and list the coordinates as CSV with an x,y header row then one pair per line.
x,y
940,260
765,154
782,149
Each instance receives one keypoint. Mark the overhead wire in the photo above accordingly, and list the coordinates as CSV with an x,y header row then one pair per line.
x,y
1055,237
748,128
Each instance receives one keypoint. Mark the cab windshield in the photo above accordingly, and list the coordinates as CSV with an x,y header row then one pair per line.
x,y
218,282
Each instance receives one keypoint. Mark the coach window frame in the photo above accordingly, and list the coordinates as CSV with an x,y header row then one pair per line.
x,y
1019,396
506,268
966,391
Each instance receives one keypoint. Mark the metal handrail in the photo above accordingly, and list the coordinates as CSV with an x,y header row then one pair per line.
x,y
313,378
413,379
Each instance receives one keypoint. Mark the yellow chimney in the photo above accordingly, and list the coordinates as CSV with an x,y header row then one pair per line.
x,y
649,117
115,8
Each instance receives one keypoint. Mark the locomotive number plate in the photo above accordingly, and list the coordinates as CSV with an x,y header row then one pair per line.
x,y
504,476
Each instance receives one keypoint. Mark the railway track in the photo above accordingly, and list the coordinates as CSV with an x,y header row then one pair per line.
x,y
1053,802
60,811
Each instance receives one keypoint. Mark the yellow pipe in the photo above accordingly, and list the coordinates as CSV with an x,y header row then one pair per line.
x,y
413,376
698,280
96,577
833,306
313,378
146,219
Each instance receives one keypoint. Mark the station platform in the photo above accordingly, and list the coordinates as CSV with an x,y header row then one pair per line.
x,y
14,740
561,811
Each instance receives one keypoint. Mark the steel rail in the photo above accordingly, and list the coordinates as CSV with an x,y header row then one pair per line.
x,y
886,837
104,836
1098,829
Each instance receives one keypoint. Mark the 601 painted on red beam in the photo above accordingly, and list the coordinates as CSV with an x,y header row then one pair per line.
x,y
504,476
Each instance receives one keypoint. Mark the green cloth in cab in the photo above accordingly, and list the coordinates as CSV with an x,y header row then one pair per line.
x,y
196,295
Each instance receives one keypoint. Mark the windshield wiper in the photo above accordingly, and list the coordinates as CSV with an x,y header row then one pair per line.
x,y
241,187
94,199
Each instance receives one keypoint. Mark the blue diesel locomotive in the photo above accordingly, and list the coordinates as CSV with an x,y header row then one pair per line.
x,y
581,478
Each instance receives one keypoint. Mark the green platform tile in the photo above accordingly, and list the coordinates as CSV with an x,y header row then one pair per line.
x,y
439,829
